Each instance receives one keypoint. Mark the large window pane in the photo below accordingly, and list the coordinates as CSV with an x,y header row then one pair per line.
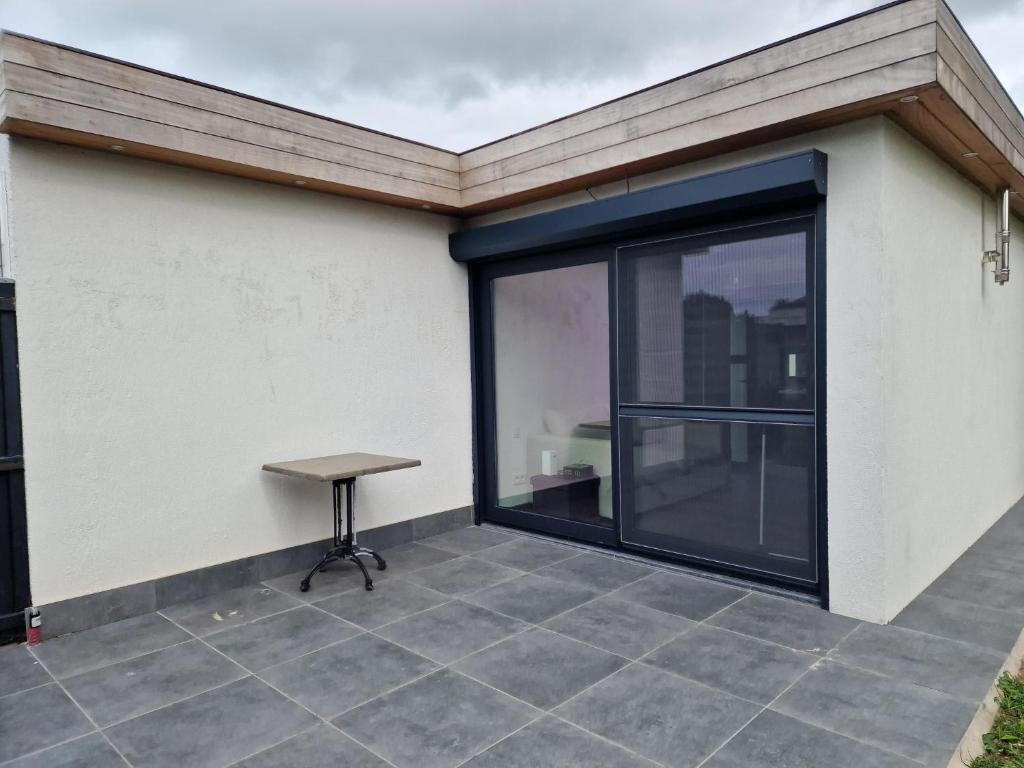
x,y
737,493
720,320
551,375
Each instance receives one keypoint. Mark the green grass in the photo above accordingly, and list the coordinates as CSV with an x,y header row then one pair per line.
x,y
1004,744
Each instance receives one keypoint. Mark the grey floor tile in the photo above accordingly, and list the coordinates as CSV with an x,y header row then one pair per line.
x,y
553,742
628,629
94,648
685,596
773,740
959,669
19,670
891,714
410,557
336,578
462,576
145,683
281,637
228,609
92,751
451,631
342,676
786,622
986,588
540,667
467,540
598,572
740,665
527,554
38,718
212,729
532,598
957,620
322,747
411,728
658,715
389,602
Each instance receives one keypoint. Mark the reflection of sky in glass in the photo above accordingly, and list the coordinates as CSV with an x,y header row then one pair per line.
x,y
751,274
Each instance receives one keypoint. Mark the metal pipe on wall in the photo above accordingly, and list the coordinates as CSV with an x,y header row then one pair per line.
x,y
1000,258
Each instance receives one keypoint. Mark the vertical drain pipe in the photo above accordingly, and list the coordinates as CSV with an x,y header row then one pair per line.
x,y
1001,258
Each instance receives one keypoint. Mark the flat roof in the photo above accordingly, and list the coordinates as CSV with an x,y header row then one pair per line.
x,y
910,60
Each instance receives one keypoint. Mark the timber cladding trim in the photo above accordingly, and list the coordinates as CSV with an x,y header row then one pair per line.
x,y
854,68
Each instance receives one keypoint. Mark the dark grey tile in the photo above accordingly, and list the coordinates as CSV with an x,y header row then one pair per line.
x,y
597,572
339,576
957,620
532,598
94,648
658,715
773,740
957,668
281,637
212,729
894,715
410,557
462,576
736,664
322,747
386,536
202,582
786,622
142,684
338,678
97,609
686,596
527,554
540,667
389,602
437,722
441,522
451,631
92,751
19,670
228,609
273,565
464,541
553,742
986,588
628,629
36,719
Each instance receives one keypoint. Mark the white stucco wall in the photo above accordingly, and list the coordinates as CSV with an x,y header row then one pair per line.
x,y
179,328
952,368
856,550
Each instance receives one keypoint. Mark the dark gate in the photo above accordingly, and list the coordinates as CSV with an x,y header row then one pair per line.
x,y
14,588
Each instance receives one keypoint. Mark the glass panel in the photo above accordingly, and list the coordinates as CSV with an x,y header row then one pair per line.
x,y
551,393
737,493
719,320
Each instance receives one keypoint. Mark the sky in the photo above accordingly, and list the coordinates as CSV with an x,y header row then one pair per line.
x,y
457,73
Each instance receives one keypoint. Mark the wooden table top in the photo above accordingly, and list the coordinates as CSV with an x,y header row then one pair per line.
x,y
340,467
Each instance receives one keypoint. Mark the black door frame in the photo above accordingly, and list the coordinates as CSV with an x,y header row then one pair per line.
x,y
765,191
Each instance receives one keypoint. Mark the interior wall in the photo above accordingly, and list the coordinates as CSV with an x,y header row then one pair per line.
x,y
856,550
178,329
952,368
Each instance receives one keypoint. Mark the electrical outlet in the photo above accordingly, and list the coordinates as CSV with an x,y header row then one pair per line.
x,y
519,480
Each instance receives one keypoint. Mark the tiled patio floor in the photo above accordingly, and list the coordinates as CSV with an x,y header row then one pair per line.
x,y
485,648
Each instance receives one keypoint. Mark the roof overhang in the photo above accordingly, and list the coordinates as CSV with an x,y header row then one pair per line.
x,y
870,64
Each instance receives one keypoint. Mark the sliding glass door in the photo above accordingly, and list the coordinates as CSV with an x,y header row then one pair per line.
x,y
549,450
716,406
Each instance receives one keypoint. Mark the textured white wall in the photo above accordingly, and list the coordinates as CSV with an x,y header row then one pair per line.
x,y
854,386
952,368
178,329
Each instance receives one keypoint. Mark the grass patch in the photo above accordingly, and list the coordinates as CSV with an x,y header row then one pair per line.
x,y
1004,744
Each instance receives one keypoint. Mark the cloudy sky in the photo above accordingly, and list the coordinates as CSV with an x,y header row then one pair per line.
x,y
457,73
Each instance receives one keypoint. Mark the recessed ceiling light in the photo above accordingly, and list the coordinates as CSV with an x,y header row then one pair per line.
x,y
300,183
426,207
969,154
117,147
908,99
